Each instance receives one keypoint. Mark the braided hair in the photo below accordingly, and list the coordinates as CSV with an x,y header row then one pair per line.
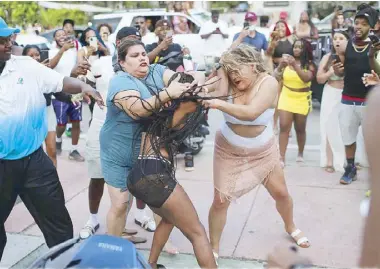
x,y
159,127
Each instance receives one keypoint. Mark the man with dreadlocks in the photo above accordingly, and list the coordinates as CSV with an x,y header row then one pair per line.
x,y
137,94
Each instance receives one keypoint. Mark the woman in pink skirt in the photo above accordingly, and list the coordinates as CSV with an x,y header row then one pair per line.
x,y
246,151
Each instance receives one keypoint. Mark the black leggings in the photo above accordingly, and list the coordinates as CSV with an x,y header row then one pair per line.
x,y
150,180
35,179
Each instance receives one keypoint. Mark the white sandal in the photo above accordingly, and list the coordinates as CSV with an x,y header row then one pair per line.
x,y
301,240
216,257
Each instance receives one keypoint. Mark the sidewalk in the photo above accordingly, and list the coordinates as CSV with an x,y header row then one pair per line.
x,y
326,211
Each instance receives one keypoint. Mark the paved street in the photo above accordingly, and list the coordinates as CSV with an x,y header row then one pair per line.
x,y
326,211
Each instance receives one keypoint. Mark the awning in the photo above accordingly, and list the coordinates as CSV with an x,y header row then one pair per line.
x,y
83,7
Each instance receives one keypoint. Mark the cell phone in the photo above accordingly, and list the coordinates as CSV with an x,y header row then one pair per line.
x,y
44,55
374,39
93,42
169,34
335,57
137,26
246,24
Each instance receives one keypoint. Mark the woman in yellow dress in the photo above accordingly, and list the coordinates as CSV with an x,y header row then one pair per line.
x,y
297,72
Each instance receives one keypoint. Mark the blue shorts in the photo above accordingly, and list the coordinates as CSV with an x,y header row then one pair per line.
x,y
66,111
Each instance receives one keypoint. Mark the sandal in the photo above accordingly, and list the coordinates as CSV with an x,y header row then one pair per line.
x,y
302,242
216,257
329,169
300,159
88,230
128,232
135,239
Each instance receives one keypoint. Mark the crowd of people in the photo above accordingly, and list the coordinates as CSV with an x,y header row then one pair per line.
x,y
144,102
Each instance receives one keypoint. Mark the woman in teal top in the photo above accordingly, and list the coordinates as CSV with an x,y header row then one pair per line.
x,y
132,96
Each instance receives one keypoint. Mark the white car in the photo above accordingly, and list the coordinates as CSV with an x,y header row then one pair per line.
x,y
193,41
31,39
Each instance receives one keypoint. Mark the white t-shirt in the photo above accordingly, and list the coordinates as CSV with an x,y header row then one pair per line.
x,y
215,45
67,61
101,72
23,121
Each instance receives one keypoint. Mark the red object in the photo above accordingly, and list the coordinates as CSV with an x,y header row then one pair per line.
x,y
287,31
250,16
355,99
283,15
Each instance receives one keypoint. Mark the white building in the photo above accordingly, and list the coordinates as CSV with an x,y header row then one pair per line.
x,y
272,9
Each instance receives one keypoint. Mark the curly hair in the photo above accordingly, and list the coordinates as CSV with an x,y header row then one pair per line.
x,y
233,59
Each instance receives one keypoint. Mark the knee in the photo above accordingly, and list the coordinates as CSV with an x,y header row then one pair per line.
x,y
195,232
285,127
220,204
282,196
118,208
300,130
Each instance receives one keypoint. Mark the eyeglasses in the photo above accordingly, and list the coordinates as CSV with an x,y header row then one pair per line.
x,y
5,40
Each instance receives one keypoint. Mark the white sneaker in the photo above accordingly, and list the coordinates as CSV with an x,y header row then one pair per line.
x,y
146,223
88,230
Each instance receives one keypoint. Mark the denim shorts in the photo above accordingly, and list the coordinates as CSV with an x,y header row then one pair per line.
x,y
115,175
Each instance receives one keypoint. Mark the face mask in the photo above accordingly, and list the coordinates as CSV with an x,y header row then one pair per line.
x,y
252,28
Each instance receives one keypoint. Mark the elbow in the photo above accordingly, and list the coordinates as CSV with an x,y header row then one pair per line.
x,y
321,79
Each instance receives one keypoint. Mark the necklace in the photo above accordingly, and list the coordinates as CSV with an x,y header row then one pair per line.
x,y
360,51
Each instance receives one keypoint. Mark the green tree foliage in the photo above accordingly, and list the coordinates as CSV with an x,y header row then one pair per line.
x,y
22,13
19,13
50,18
325,8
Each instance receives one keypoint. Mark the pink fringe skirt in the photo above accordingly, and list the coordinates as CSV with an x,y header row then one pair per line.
x,y
238,170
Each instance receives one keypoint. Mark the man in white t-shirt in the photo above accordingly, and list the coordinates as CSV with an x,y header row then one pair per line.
x,y
214,33
63,58
25,169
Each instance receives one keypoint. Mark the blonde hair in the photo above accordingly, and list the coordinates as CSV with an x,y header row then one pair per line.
x,y
233,59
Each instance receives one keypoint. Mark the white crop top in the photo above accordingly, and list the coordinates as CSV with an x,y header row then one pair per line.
x,y
264,119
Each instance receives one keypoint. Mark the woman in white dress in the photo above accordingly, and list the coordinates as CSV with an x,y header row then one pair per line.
x,y
332,148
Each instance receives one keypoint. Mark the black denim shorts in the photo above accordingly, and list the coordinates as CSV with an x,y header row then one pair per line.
x,y
151,181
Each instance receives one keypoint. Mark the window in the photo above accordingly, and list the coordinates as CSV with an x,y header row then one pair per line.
x,y
150,21
114,22
178,22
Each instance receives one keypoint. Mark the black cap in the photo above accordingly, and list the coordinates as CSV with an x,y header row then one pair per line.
x,y
127,31
371,14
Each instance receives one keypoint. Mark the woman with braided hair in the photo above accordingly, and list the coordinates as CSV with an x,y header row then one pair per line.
x,y
136,99
246,152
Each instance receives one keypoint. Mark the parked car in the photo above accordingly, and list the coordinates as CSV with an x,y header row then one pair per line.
x,y
49,34
33,39
193,40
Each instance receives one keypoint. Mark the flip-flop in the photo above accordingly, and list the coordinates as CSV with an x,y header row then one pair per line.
x,y
329,169
160,266
135,239
128,232
170,249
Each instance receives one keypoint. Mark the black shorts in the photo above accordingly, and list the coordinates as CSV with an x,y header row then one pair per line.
x,y
151,181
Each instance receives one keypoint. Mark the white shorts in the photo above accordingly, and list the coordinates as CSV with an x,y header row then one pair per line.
x,y
93,151
350,119
51,119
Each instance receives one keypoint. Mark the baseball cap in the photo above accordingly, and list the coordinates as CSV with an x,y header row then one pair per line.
x,y
5,31
369,13
283,15
127,31
250,16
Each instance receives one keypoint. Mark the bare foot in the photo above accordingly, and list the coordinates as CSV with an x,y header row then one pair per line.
x,y
170,248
